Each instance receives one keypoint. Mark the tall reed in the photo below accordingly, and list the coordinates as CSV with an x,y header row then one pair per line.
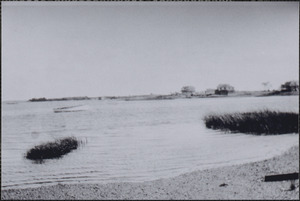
x,y
260,122
51,150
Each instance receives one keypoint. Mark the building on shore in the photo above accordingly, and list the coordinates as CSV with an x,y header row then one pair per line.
x,y
290,86
209,92
224,89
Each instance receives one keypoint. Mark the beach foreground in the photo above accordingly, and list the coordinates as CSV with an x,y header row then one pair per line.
x,y
231,182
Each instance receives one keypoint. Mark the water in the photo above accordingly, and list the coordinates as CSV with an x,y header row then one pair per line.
x,y
131,141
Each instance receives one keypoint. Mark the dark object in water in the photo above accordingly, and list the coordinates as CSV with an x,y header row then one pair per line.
x,y
261,122
222,185
52,149
292,187
282,177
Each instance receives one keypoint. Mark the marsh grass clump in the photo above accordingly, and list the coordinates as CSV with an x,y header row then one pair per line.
x,y
53,149
261,122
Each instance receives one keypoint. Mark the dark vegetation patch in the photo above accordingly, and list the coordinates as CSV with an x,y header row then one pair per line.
x,y
51,150
261,122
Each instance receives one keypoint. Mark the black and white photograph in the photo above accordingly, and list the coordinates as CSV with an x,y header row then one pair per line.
x,y
149,100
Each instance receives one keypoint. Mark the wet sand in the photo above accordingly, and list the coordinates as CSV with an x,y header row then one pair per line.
x,y
244,181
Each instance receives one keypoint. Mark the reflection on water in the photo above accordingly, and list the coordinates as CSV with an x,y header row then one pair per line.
x,y
131,140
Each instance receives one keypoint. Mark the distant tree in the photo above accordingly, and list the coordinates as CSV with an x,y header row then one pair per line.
x,y
290,86
188,89
267,86
224,89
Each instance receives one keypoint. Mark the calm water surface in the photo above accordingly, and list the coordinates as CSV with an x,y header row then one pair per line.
x,y
131,141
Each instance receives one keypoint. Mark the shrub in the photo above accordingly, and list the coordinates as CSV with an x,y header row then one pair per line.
x,y
261,122
53,149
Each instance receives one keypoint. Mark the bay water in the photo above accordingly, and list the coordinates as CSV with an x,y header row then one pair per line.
x,y
132,141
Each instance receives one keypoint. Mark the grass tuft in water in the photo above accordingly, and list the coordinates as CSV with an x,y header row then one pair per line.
x,y
53,149
262,122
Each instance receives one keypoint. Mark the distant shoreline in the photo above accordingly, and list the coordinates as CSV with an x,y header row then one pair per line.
x,y
171,96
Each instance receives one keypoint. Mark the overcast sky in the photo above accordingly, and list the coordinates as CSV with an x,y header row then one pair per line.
x,y
62,49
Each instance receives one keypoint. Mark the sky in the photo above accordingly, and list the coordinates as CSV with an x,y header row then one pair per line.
x,y
66,49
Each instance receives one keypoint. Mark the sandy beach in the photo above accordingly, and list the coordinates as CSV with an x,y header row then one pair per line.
x,y
244,181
